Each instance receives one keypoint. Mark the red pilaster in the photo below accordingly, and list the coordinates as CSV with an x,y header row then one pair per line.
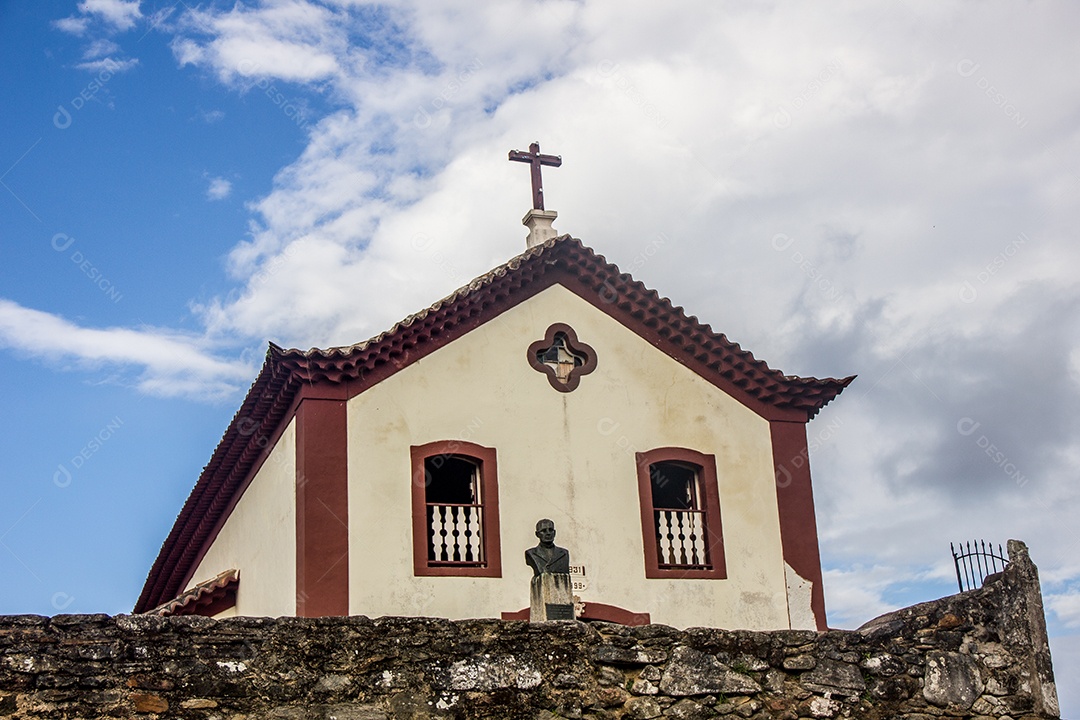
x,y
322,511
795,498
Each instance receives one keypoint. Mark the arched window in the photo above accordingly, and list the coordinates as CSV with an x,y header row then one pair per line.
x,y
680,514
455,505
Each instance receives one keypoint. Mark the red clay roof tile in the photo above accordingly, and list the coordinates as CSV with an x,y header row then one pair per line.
x,y
201,596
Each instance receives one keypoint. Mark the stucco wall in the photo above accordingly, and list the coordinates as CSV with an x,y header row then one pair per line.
x,y
259,538
566,456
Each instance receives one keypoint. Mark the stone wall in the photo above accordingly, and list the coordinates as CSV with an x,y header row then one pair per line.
x,y
978,654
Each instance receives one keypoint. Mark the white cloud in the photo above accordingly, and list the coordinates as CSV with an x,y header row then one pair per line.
x,y
1066,606
212,116
856,594
110,65
187,52
72,25
219,189
167,362
112,16
289,40
121,14
100,48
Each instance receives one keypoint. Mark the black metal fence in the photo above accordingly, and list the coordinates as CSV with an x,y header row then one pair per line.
x,y
974,560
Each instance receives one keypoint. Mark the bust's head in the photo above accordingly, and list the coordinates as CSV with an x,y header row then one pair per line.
x,y
545,531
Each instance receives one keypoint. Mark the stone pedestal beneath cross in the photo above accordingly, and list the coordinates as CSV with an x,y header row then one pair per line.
x,y
539,224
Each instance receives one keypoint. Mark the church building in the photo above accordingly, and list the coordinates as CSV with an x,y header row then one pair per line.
x,y
405,475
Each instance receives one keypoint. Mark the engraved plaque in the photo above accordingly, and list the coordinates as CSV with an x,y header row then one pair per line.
x,y
559,612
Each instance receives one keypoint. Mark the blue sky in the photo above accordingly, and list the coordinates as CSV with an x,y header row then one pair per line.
x,y
842,189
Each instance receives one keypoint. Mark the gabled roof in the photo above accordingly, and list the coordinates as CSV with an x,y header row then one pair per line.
x,y
563,260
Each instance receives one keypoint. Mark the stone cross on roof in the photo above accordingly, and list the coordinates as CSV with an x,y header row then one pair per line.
x,y
535,160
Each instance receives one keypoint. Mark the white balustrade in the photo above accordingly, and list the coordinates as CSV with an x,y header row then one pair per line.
x,y
456,536
681,538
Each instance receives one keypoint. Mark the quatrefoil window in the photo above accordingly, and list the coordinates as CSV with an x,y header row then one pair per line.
x,y
562,357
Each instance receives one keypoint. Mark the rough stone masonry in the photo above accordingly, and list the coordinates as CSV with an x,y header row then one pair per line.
x,y
980,654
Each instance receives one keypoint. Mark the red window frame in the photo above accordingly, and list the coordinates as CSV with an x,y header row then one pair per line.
x,y
709,490
489,499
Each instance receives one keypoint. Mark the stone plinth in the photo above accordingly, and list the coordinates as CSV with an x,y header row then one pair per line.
x,y
551,598
539,224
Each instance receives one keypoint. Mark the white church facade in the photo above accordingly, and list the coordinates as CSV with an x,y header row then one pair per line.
x,y
404,475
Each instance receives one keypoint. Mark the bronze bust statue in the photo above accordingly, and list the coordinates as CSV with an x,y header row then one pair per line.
x,y
546,557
